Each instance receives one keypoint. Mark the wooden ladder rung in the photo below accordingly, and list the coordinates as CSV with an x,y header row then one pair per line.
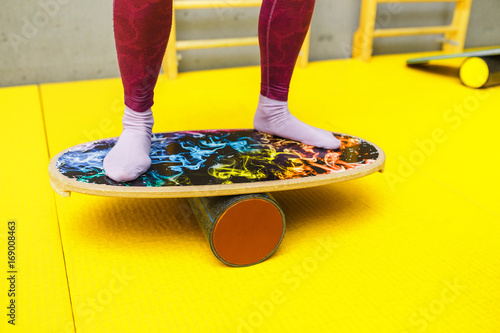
x,y
454,34
413,31
199,4
171,59
213,43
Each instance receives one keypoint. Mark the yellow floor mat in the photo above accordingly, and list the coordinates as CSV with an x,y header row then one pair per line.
x,y
38,284
414,249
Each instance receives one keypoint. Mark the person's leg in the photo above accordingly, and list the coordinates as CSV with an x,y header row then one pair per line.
x,y
141,28
283,26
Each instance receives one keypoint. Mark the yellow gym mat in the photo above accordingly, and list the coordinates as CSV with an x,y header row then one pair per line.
x,y
34,283
414,249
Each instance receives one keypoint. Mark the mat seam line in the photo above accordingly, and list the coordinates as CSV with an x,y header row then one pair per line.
x,y
40,100
56,210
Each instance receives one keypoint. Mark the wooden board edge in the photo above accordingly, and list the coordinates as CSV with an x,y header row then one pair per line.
x,y
57,180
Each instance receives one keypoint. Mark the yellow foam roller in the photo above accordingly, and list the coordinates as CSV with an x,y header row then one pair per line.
x,y
480,72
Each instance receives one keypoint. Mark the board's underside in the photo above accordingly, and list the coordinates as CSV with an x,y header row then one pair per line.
x,y
216,162
482,53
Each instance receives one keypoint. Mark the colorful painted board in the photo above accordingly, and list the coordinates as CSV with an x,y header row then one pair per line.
x,y
216,162
228,168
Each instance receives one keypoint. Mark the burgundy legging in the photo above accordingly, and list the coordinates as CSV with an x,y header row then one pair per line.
x,y
142,28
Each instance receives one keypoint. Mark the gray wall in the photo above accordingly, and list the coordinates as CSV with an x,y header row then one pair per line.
x,y
63,40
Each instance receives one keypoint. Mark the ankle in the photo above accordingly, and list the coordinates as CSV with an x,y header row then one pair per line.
x,y
143,121
269,102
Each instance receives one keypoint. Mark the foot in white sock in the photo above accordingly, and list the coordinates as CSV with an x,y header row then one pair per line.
x,y
129,158
273,117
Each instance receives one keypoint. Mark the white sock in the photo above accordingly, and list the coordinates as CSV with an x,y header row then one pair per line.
x,y
273,117
129,158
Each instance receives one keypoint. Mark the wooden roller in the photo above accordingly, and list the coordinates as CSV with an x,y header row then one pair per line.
x,y
242,230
